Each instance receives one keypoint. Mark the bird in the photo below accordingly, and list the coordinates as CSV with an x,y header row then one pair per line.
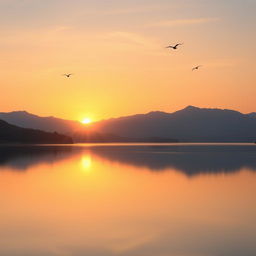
x,y
174,47
196,68
68,75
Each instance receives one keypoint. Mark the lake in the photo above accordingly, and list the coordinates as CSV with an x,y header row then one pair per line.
x,y
128,200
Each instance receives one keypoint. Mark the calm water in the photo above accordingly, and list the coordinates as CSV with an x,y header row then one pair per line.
x,y
133,200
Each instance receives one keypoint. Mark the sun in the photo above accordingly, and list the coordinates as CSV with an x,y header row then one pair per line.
x,y
86,121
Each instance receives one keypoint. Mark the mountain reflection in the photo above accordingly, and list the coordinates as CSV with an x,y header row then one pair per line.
x,y
190,163
19,158
190,160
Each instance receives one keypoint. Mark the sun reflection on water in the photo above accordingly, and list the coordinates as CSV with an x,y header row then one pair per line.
x,y
86,162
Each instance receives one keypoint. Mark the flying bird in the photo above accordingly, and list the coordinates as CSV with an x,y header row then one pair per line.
x,y
196,68
67,75
174,47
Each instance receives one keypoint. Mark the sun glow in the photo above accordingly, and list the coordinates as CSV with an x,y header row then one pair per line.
x,y
86,121
86,162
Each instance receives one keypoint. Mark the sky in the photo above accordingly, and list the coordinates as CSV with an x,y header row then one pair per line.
x,y
116,50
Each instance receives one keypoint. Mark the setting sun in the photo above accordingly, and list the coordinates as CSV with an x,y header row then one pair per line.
x,y
126,125
86,121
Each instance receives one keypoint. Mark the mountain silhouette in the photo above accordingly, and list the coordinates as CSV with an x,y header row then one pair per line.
x,y
191,124
14,134
74,129
49,124
253,115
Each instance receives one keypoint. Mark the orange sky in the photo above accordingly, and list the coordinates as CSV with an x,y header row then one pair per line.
x,y
116,51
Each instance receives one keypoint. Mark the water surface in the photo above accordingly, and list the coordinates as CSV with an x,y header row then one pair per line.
x,y
129,200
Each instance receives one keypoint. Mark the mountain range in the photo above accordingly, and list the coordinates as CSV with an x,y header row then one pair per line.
x,y
49,124
191,124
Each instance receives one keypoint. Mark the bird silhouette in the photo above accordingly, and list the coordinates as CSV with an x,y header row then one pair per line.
x,y
196,68
174,47
67,75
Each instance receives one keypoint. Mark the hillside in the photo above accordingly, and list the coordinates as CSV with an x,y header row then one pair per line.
x,y
49,124
191,124
13,134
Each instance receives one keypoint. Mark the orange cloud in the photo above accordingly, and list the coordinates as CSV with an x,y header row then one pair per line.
x,y
182,22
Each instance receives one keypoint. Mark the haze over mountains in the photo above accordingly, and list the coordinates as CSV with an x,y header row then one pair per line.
x,y
191,124
49,124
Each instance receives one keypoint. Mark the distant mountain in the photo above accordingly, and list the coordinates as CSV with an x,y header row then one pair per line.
x,y
49,124
252,115
95,137
13,134
74,129
191,124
